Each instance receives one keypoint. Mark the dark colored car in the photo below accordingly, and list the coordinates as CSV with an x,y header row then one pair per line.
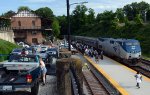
x,y
20,73
16,51
53,52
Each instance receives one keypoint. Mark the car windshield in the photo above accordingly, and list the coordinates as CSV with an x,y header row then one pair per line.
x,y
42,51
51,49
43,47
14,58
29,48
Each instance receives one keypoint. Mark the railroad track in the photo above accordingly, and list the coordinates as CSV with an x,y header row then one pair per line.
x,y
95,87
142,70
147,62
143,67
96,83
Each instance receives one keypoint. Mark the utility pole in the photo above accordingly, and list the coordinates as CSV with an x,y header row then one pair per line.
x,y
145,12
68,23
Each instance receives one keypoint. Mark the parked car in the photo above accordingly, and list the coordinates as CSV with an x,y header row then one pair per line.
x,y
36,47
43,54
16,51
20,73
22,44
53,52
44,48
73,50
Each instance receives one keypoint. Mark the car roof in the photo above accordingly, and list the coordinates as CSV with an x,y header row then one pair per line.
x,y
25,55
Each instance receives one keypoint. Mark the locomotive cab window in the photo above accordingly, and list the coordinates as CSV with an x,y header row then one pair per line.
x,y
101,39
112,42
129,44
120,43
136,43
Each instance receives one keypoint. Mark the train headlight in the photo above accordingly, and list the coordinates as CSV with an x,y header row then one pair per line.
x,y
129,57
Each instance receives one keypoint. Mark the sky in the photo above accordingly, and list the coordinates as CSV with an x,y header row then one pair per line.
x,y
59,6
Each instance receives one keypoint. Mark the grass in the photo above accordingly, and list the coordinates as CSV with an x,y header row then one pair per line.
x,y
5,48
146,57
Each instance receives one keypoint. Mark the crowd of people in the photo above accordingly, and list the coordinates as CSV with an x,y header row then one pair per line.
x,y
98,54
89,51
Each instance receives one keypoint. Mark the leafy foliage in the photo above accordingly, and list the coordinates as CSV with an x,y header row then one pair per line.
x,y
24,8
56,28
45,13
48,20
63,24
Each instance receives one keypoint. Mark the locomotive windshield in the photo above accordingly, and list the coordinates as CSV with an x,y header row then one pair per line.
x,y
132,46
129,43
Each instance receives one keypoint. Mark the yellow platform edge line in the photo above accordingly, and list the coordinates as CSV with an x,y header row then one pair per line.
x,y
145,78
112,81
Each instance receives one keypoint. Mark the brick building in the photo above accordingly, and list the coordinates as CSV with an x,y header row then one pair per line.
x,y
27,27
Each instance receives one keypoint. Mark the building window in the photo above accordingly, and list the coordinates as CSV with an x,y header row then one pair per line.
x,y
19,23
33,23
34,40
28,14
22,14
34,32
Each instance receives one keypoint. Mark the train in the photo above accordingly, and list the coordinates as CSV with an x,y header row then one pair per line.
x,y
128,50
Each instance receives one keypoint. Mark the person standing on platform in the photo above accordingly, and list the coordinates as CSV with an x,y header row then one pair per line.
x,y
138,77
101,54
96,56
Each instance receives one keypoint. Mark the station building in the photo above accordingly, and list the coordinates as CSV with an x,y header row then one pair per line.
x,y
27,28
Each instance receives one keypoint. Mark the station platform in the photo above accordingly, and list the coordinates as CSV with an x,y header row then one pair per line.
x,y
121,76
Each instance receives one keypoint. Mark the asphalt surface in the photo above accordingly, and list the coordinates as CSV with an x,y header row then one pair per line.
x,y
51,85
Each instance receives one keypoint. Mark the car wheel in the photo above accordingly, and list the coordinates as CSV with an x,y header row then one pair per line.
x,y
35,89
1,93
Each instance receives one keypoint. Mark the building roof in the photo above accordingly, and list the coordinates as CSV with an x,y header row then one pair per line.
x,y
25,14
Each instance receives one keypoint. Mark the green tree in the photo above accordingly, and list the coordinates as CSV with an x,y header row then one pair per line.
x,y
56,28
148,15
120,14
138,20
9,14
143,7
78,16
24,8
128,11
63,24
6,22
46,15
107,20
131,10
90,16
45,12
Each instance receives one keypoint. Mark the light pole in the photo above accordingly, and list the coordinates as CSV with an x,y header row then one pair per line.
x,y
68,21
145,12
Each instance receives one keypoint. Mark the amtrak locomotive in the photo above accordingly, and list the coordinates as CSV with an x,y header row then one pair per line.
x,y
125,49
